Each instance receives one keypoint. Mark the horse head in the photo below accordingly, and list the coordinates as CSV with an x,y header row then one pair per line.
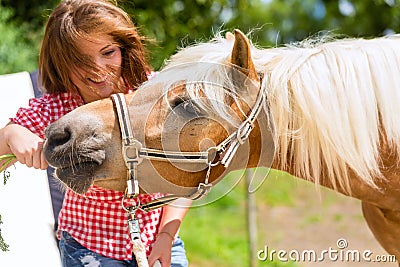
x,y
196,102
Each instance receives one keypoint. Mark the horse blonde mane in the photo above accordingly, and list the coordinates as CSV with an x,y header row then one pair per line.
x,y
328,104
328,101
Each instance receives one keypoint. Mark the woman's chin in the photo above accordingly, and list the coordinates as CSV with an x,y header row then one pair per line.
x,y
105,91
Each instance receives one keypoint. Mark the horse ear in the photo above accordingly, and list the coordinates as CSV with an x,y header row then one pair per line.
x,y
241,55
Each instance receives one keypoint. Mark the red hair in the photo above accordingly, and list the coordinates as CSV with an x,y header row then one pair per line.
x,y
72,20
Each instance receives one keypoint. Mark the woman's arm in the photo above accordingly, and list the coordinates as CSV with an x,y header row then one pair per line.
x,y
24,144
171,220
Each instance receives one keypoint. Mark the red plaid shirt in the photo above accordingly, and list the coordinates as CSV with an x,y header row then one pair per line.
x,y
96,219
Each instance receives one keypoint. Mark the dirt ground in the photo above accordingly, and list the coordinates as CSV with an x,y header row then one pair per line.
x,y
318,221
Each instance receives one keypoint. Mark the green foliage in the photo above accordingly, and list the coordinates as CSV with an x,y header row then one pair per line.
x,y
33,13
275,190
178,23
3,245
17,51
172,24
5,160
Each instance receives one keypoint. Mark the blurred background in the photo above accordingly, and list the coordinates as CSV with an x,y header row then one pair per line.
x,y
171,24
289,213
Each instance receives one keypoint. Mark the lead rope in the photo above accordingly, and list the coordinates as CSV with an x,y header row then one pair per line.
x,y
133,223
134,230
137,245
140,253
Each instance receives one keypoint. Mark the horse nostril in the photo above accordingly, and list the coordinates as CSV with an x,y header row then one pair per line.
x,y
59,138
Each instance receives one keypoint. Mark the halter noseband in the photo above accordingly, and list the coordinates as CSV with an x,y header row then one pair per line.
x,y
134,152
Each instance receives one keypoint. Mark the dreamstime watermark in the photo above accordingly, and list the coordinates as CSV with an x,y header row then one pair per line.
x,y
340,253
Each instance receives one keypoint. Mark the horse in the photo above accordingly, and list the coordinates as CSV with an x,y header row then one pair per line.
x,y
322,110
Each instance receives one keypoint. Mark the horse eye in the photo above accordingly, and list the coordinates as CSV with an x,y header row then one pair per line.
x,y
185,105
176,102
190,107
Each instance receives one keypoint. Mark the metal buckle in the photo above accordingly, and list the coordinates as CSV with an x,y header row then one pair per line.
x,y
202,191
133,224
132,152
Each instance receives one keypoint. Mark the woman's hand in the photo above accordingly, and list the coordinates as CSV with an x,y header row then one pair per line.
x,y
25,145
161,250
171,220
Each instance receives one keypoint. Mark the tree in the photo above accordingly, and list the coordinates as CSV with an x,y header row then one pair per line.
x,y
16,53
170,24
272,22
173,24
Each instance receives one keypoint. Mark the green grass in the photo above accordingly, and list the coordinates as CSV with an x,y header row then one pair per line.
x,y
215,232
277,189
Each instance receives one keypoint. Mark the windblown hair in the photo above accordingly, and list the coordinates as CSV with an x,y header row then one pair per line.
x,y
73,20
328,103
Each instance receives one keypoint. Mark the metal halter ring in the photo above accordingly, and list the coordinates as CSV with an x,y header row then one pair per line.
x,y
131,208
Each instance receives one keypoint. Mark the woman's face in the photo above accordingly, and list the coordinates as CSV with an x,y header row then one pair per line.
x,y
106,54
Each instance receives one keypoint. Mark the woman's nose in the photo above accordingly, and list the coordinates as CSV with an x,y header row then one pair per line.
x,y
100,62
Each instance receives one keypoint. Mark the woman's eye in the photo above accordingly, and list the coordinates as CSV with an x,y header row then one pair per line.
x,y
109,52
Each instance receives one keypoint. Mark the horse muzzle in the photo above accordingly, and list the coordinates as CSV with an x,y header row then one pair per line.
x,y
74,156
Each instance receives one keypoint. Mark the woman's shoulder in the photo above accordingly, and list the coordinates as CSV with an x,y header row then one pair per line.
x,y
44,110
58,99
57,104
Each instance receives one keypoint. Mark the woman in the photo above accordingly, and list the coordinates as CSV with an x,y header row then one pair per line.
x,y
90,50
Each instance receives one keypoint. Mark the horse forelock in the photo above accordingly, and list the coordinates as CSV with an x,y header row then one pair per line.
x,y
326,101
205,70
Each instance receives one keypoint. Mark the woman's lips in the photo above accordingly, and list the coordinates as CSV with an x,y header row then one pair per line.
x,y
98,82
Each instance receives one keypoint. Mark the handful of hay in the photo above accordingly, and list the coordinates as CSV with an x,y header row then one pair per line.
x,y
5,160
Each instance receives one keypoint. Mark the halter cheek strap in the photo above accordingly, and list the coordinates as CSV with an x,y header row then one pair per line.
x,y
130,146
231,144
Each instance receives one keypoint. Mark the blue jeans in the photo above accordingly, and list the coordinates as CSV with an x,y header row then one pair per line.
x,y
74,254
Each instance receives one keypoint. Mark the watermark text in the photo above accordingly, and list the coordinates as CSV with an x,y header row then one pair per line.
x,y
339,253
